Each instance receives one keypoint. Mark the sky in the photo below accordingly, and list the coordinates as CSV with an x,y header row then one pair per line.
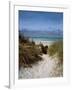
x,y
39,21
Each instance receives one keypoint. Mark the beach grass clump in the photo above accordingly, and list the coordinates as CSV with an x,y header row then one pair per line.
x,y
56,48
29,53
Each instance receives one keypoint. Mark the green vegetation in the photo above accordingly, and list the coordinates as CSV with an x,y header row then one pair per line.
x,y
29,53
56,48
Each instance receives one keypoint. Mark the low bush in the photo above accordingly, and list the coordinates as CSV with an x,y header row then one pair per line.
x,y
44,49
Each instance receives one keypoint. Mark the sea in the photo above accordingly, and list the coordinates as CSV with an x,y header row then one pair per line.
x,y
43,35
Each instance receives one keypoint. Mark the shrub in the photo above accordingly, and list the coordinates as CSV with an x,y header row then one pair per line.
x,y
44,49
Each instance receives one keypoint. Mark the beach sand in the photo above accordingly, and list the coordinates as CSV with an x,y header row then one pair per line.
x,y
44,42
48,67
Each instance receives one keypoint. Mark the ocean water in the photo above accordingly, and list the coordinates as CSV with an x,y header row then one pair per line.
x,y
43,35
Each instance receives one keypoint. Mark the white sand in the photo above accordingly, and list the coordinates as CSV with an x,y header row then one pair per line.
x,y
44,42
48,67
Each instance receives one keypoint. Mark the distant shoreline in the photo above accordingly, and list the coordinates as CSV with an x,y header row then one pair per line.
x,y
44,42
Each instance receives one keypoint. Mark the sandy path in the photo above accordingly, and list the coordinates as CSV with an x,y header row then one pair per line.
x,y
45,68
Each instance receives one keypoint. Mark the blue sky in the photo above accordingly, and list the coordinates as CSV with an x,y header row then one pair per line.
x,y
36,20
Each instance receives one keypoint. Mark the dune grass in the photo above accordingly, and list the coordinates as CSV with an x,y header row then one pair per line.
x,y
29,53
57,48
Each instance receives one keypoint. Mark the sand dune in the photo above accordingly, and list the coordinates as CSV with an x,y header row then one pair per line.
x,y
48,67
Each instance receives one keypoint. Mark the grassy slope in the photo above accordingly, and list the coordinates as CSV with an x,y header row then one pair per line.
x,y
29,53
56,48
